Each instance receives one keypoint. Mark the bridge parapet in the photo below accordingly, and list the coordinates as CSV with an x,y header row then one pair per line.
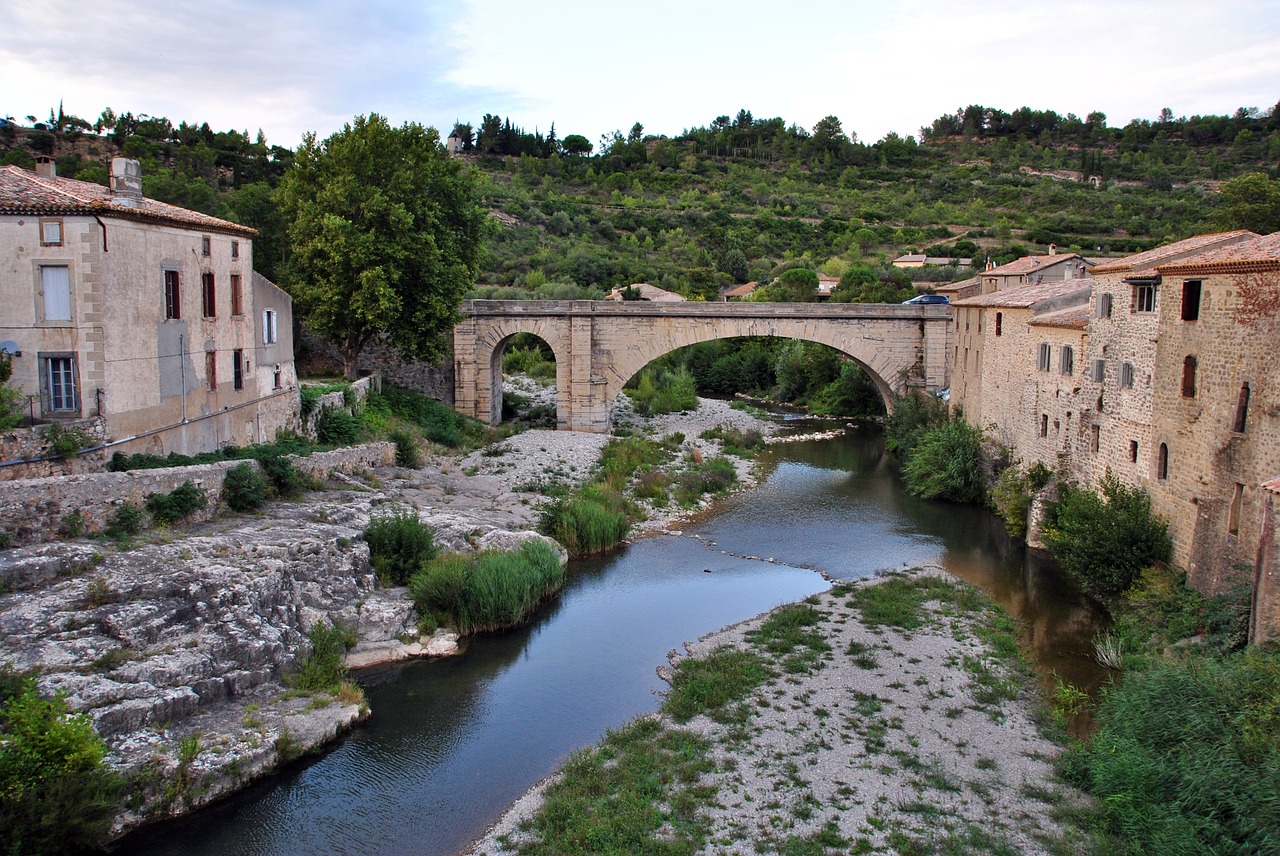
x,y
599,345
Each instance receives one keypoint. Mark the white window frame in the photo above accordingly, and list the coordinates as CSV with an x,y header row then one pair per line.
x,y
59,384
270,334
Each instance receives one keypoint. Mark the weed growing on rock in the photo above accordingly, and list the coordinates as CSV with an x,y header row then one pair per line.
x,y
399,544
245,488
125,522
324,669
489,590
181,502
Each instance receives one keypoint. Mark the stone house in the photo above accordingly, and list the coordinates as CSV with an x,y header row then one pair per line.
x,y
1035,269
1016,365
145,314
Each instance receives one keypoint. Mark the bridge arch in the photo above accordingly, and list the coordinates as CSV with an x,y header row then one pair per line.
x,y
599,345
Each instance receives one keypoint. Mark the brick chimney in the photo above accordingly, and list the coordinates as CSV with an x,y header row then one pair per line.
x,y
126,181
45,167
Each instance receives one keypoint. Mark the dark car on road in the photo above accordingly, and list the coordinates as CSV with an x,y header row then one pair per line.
x,y
927,298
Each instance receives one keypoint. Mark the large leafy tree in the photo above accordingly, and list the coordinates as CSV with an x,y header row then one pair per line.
x,y
1251,201
385,235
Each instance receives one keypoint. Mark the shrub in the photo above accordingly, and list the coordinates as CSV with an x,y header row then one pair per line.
x,y
72,524
399,544
664,391
1185,757
946,463
285,479
126,520
57,794
325,668
1012,494
180,502
245,488
714,476
338,428
488,591
1105,540
408,448
441,423
63,442
913,415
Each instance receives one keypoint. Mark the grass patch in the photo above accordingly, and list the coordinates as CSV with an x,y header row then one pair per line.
x,y
324,669
785,634
712,683
589,520
487,591
637,793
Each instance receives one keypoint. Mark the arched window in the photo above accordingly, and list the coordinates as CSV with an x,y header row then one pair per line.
x,y
1162,462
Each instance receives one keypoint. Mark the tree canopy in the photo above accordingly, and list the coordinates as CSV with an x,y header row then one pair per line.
x,y
1251,201
385,236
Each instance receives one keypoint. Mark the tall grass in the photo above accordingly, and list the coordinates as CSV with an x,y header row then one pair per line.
x,y
593,519
487,591
399,544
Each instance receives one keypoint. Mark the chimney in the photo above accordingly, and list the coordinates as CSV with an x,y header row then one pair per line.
x,y
126,181
45,167
1053,249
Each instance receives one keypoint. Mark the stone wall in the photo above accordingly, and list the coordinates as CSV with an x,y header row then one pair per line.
x,y
32,510
337,400
30,445
435,380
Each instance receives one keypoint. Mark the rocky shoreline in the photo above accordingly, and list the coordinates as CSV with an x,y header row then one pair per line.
x,y
177,647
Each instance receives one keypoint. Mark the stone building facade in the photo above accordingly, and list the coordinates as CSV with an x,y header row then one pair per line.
x,y
1159,369
145,314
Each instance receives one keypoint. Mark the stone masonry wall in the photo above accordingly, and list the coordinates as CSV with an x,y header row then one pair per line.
x,y
32,510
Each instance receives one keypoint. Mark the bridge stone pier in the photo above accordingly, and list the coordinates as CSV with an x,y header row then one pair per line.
x,y
600,344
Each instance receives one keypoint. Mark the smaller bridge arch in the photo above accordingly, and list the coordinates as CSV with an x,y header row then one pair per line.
x,y
599,345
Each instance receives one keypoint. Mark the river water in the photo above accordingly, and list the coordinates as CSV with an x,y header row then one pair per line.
x,y
453,742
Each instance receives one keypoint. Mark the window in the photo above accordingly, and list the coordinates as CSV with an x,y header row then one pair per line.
x,y
1044,424
1189,377
1242,410
237,302
1067,360
50,232
1043,355
235,249
206,245
172,294
275,377
1144,297
1233,516
1191,300
1126,375
1133,451
58,382
208,295
1162,462
269,327
1098,371
999,322
1103,309
237,369
55,292
211,369
1096,440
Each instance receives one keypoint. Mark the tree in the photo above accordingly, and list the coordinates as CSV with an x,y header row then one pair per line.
x,y
576,144
10,396
1251,201
385,235
828,134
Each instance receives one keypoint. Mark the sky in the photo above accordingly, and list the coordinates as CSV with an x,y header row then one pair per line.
x,y
289,67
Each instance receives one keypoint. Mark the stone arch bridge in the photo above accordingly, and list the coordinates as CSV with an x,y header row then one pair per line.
x,y
600,344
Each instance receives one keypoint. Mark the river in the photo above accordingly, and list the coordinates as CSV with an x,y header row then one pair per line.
x,y
453,742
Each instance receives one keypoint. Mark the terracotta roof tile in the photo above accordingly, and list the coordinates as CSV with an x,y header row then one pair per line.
x,y
1146,261
1030,264
24,192
1073,317
1027,294
1259,253
953,287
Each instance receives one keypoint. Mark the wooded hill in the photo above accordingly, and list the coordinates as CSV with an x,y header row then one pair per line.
x,y
742,198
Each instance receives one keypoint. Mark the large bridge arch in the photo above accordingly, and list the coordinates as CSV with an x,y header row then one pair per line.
x,y
599,345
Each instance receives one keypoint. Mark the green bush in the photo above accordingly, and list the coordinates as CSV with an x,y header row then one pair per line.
x,y
1186,758
245,488
408,448
125,521
946,463
11,398
182,501
1013,492
663,390
57,794
338,428
487,591
441,423
594,519
714,476
325,668
399,544
912,417
286,480
1105,541
63,442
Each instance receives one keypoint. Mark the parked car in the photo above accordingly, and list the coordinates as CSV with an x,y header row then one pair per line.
x,y
927,298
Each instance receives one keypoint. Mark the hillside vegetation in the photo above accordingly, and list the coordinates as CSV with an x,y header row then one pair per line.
x,y
742,198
